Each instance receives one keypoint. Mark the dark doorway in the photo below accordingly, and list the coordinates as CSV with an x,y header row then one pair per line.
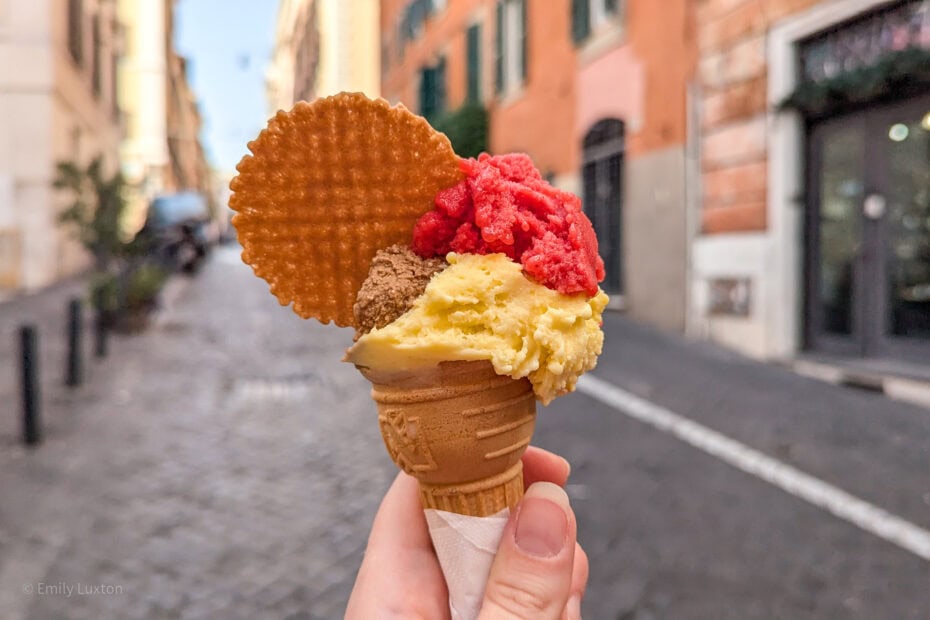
x,y
602,175
868,222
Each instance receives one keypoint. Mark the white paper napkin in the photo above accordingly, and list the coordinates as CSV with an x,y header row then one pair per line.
x,y
465,547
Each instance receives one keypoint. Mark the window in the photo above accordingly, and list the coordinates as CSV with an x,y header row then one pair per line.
x,y
76,30
95,58
602,11
414,18
473,75
510,46
590,15
433,90
114,82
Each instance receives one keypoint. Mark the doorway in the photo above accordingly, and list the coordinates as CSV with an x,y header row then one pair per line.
x,y
602,197
868,233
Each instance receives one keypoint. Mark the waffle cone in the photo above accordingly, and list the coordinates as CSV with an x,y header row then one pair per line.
x,y
460,429
327,185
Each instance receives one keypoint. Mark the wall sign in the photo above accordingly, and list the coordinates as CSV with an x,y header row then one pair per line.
x,y
863,42
730,297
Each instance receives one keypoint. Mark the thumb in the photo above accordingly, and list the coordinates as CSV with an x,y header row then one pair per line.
x,y
532,572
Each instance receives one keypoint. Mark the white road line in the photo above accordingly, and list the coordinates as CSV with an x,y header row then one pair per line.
x,y
841,504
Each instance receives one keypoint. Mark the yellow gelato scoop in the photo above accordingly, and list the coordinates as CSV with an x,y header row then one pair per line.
x,y
482,307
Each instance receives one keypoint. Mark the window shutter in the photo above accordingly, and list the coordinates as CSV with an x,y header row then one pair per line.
x,y
499,48
76,30
524,37
433,90
440,86
581,20
473,79
427,92
95,64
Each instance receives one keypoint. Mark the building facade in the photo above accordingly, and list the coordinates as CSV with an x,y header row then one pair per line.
x,y
58,99
596,92
188,168
815,171
296,55
143,95
161,150
85,79
635,64
323,47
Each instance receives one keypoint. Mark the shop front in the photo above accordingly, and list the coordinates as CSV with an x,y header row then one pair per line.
x,y
864,93
841,271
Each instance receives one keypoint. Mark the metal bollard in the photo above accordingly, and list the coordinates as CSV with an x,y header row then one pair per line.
x,y
74,374
100,335
32,426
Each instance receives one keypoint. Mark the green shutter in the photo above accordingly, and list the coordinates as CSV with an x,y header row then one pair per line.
x,y
427,92
499,48
473,76
433,90
581,20
441,86
524,37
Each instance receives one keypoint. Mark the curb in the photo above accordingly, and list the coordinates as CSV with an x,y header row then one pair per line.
x,y
913,391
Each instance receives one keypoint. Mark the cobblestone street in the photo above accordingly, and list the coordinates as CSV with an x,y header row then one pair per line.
x,y
222,465
226,464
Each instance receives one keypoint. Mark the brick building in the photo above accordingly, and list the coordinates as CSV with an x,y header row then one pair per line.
x,y
815,174
757,170
596,91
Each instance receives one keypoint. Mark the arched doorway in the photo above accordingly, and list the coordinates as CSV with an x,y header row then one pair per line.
x,y
602,195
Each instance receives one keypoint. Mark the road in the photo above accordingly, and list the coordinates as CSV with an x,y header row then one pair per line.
x,y
226,464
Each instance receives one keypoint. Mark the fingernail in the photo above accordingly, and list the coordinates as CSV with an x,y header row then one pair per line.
x,y
542,524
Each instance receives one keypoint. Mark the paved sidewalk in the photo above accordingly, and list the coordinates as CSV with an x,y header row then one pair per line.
x,y
48,311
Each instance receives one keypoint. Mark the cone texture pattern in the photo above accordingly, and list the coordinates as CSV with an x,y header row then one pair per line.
x,y
460,429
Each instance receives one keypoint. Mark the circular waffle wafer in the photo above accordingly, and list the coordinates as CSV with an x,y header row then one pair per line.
x,y
328,184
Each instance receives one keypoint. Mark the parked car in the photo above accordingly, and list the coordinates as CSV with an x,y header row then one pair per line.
x,y
179,231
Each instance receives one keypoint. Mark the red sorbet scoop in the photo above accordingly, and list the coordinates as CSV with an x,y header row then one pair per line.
x,y
504,205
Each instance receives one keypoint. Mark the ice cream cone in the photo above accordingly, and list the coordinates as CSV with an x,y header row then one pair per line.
x,y
460,429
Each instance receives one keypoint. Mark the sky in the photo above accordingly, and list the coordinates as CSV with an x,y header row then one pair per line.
x,y
228,44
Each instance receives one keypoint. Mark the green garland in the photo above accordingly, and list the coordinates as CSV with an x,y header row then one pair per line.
x,y
467,129
894,73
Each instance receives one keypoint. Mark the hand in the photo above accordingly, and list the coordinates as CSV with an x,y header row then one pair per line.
x,y
540,571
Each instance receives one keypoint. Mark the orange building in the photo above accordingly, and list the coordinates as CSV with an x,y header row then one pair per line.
x,y
595,91
434,60
815,228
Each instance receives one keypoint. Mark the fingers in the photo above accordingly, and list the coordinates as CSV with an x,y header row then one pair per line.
x,y
579,584
400,520
532,573
543,466
413,586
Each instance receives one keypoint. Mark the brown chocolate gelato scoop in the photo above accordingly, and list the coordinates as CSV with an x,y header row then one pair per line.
x,y
396,279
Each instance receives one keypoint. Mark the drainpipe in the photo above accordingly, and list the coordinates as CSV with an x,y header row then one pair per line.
x,y
694,322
